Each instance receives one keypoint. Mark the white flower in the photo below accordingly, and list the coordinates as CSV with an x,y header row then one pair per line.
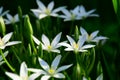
x,y
1,58
84,14
70,15
11,19
3,13
100,77
4,41
93,36
51,71
44,11
76,46
23,74
46,45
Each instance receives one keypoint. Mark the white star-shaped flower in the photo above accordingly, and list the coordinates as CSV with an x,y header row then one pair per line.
x,y
70,15
44,11
23,74
11,19
4,41
84,14
76,46
93,36
50,71
46,45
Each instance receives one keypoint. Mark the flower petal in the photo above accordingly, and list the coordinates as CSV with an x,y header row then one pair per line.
x,y
45,77
5,54
42,16
40,5
34,76
94,34
99,38
45,40
66,12
55,50
56,62
23,70
58,9
13,76
59,75
56,40
63,68
50,6
36,40
7,37
16,18
87,46
36,70
12,43
83,31
9,17
43,64
70,40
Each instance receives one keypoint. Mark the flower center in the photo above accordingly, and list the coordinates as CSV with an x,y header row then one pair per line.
x,y
1,42
49,47
51,71
76,46
72,16
47,11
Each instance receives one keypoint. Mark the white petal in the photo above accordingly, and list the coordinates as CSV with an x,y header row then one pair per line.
x,y
7,21
65,44
81,40
12,43
16,18
63,68
4,13
56,62
45,77
7,37
99,38
5,54
100,77
66,12
82,50
50,6
36,70
54,14
2,47
93,15
2,62
43,64
91,11
42,16
13,76
84,78
82,9
41,5
23,70
59,75
45,40
9,17
55,50
56,40
36,40
59,9
94,34
83,31
1,9
70,40
76,10
69,49
87,46
34,76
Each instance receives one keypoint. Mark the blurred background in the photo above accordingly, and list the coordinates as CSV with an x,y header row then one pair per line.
x,y
108,24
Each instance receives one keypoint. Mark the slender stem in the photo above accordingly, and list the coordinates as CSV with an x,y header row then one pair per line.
x,y
12,69
92,63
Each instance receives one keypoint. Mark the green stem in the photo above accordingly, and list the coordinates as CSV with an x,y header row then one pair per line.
x,y
12,69
92,63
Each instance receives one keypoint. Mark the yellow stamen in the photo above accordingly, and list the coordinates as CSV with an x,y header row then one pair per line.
x,y
51,71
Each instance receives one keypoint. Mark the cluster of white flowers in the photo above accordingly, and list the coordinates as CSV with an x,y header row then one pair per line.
x,y
47,71
78,46
76,14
